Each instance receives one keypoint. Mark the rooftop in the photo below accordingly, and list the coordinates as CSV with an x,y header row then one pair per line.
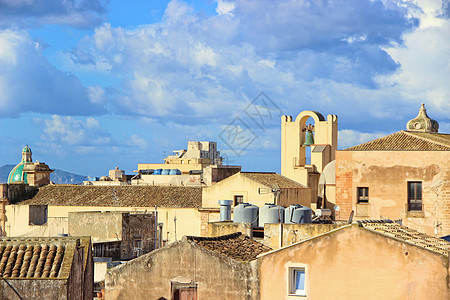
x,y
117,196
407,141
236,246
408,235
270,178
36,258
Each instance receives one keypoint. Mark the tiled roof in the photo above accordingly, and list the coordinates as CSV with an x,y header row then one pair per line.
x,y
407,141
408,235
270,178
38,258
235,245
120,196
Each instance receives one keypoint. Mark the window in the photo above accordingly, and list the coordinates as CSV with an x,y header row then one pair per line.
x,y
363,195
238,199
297,281
415,196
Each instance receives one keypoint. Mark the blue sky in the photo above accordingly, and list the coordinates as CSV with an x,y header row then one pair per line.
x,y
94,84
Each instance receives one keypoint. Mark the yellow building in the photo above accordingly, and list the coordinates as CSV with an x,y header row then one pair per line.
x,y
307,148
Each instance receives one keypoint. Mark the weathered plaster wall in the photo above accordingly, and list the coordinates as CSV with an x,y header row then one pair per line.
x,y
138,226
224,228
33,289
100,225
353,263
386,174
293,233
150,275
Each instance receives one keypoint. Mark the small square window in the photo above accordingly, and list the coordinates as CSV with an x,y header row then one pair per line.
x,y
297,281
363,195
238,199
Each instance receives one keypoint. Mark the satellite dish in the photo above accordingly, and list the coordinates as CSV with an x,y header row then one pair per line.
x,y
336,208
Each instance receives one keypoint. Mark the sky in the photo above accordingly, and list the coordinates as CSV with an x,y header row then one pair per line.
x,y
94,84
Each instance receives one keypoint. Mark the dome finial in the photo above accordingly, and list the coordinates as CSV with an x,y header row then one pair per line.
x,y
422,122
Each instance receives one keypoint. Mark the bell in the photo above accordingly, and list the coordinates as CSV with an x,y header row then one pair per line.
x,y
309,140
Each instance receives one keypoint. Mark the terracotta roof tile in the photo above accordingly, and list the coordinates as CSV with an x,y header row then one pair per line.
x,y
407,141
270,178
236,246
408,235
36,258
120,196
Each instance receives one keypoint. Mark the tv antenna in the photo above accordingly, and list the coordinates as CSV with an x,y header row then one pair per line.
x,y
274,189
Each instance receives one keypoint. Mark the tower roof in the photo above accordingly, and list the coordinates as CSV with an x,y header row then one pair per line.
x,y
422,122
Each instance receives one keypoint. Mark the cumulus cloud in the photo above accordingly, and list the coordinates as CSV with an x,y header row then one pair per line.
x,y
210,67
75,13
29,83
68,131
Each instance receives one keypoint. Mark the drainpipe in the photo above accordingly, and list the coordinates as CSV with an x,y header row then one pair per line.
x,y
155,229
281,235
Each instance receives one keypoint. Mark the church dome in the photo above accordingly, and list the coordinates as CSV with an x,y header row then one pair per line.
x,y
17,174
422,122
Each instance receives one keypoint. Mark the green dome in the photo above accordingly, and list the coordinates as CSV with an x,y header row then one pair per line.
x,y
17,174
26,149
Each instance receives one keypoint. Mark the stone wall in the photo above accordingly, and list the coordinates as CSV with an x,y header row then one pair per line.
x,y
18,289
228,227
138,227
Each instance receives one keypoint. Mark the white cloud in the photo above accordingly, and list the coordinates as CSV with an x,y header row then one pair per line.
x,y
225,8
30,83
68,131
138,141
348,138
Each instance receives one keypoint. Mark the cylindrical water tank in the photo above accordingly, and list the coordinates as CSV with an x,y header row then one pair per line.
x,y
246,213
298,214
165,172
225,210
174,172
271,213
157,172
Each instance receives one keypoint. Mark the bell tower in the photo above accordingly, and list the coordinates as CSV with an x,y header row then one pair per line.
x,y
296,136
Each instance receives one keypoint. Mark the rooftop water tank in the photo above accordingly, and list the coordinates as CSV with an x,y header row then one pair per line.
x,y
225,210
165,172
271,213
175,172
298,214
157,172
246,213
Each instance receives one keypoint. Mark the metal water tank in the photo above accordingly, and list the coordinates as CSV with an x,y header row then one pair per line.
x,y
165,172
157,172
298,214
246,213
174,172
225,210
271,213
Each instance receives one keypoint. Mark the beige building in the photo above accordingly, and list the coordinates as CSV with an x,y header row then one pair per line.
x,y
47,212
194,268
359,261
307,148
197,156
405,175
256,188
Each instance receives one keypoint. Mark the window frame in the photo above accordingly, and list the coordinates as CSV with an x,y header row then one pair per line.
x,y
364,199
292,270
235,199
414,200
